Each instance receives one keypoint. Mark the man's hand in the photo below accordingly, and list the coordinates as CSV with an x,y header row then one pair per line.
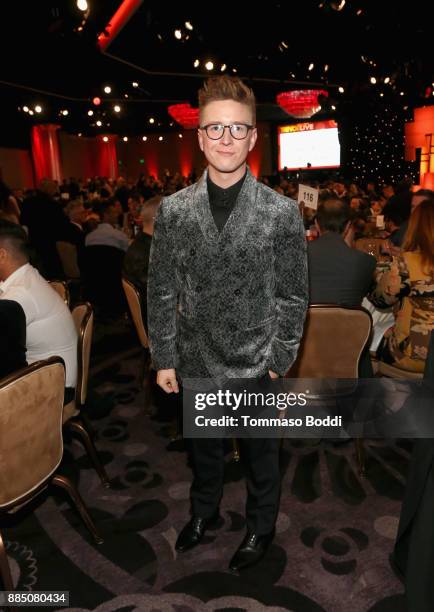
x,y
273,374
166,379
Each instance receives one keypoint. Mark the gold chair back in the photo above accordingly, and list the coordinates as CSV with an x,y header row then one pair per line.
x,y
31,444
391,371
83,319
133,299
333,340
61,288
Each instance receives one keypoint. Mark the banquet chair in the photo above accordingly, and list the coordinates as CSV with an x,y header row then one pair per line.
x,y
391,371
73,414
333,341
61,287
134,303
31,443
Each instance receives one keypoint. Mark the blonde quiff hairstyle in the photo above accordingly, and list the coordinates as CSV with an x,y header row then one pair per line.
x,y
226,87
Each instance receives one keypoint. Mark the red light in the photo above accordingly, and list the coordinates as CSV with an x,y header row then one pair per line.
x,y
301,103
185,115
97,101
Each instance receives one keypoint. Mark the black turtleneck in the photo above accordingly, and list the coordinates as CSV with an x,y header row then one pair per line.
x,y
222,201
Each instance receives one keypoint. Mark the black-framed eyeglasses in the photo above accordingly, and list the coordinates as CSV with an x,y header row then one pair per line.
x,y
215,131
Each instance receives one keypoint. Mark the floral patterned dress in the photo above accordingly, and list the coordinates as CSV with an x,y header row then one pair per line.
x,y
405,284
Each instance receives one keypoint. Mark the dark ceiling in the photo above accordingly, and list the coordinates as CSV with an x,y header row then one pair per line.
x,y
272,45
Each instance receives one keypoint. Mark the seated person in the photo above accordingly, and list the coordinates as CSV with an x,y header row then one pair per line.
x,y
49,324
338,274
407,204
136,260
73,231
408,282
106,234
13,337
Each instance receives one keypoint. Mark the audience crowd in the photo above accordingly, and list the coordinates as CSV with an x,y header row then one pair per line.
x,y
369,245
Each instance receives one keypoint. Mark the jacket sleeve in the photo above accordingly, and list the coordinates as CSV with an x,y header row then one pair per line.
x,y
291,290
162,297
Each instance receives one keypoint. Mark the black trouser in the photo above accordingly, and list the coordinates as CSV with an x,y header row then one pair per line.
x,y
260,458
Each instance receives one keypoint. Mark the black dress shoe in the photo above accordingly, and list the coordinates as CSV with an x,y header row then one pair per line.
x,y
251,550
193,532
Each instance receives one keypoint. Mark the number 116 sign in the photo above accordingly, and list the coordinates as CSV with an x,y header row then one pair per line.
x,y
308,196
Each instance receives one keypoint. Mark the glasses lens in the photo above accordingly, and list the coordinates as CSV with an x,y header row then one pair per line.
x,y
215,131
239,131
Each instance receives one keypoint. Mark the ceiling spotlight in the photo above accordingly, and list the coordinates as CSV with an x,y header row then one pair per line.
x,y
151,120
188,25
126,96
125,138
338,6
107,89
31,112
145,138
178,34
387,80
26,109
179,135
209,65
223,67
401,93
38,109
196,63
134,84
359,12
326,67
311,66
79,134
82,5
160,138
65,112
373,80
341,90
90,113
333,107
96,101
381,94
234,70
99,123
117,108
105,138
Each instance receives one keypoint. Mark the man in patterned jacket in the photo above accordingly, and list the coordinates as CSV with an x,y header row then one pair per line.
x,y
227,297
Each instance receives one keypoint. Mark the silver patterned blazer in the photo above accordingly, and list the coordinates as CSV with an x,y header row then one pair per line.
x,y
227,304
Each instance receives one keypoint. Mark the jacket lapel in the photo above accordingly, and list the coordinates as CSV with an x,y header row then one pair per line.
x,y
203,210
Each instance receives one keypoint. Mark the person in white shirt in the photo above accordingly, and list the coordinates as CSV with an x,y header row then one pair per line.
x,y
106,234
49,323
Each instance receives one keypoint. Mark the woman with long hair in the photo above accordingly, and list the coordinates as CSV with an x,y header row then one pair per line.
x,y
408,284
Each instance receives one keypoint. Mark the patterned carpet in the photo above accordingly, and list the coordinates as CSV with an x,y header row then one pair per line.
x,y
334,532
